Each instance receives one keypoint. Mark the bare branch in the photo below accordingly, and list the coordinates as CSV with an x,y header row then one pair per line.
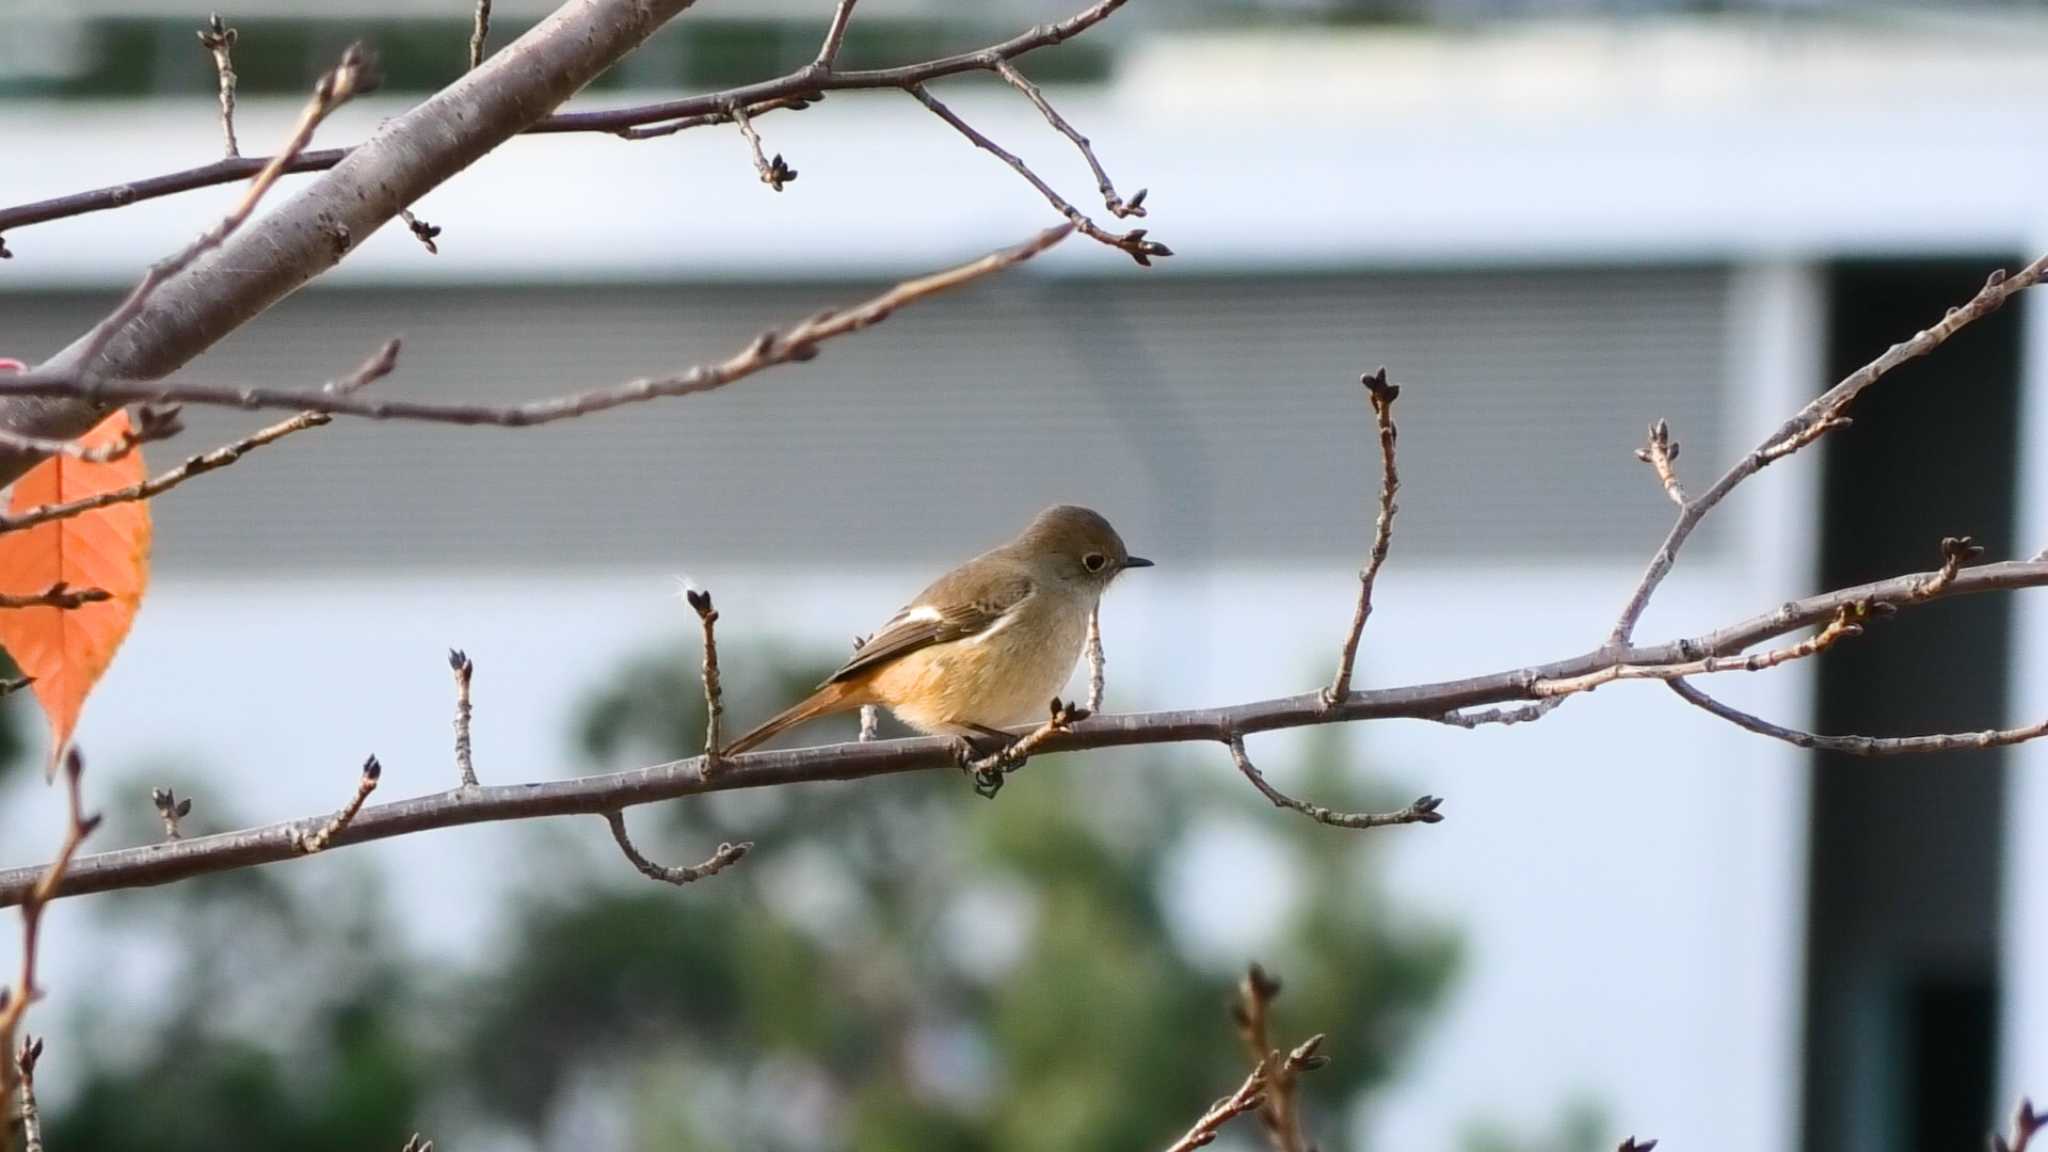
x,y
1382,395
376,367
714,695
1132,242
166,862
798,342
797,89
726,115
1280,1113
1110,200
336,88
465,766
171,810
307,843
1249,1095
422,231
58,595
480,34
41,887
31,1116
1823,413
148,424
2026,1124
774,173
1848,622
1662,454
835,35
1859,745
219,39
988,771
1095,659
1423,811
726,856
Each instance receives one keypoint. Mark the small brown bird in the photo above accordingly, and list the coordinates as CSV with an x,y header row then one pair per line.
x,y
987,645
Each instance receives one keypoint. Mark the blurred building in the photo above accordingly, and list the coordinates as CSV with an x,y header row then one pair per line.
x,y
1550,233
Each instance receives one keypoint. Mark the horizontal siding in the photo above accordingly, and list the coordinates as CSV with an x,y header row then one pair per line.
x,y
1214,420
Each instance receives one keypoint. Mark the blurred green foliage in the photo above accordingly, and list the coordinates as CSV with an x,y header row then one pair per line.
x,y
900,964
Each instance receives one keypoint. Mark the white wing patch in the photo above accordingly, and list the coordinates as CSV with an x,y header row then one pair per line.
x,y
1002,622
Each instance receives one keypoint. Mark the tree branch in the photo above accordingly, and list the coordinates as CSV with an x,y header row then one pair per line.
x,y
796,89
219,39
465,765
307,843
1249,1095
1859,745
39,888
372,369
1382,395
1110,200
726,856
714,694
166,862
1823,414
798,342
310,232
58,595
1132,242
1423,811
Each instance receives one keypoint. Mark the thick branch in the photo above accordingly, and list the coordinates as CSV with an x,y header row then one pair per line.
x,y
409,156
163,863
796,343
1824,413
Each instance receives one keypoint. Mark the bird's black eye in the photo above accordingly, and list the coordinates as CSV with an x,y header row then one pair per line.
x,y
1094,561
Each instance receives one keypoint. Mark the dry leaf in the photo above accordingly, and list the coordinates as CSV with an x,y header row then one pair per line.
x,y
66,650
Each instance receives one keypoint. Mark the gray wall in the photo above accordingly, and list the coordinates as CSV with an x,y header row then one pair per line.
x,y
1215,420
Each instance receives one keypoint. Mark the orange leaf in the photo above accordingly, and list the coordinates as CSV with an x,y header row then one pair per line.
x,y
66,650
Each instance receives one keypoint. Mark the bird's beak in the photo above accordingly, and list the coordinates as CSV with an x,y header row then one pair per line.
x,y
1136,562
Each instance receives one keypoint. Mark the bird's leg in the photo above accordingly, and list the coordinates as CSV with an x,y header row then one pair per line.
x,y
988,770
983,768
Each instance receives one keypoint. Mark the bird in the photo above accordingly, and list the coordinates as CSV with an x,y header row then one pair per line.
x,y
985,646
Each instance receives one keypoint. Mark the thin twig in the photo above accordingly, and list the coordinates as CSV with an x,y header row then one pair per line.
x,y
375,368
714,694
1382,395
721,116
348,79
219,39
307,843
1956,551
422,231
1110,200
571,794
1249,1095
480,34
797,342
793,90
774,173
1280,1114
1133,242
42,888
465,766
1661,453
1824,413
1423,811
988,771
58,595
835,35
31,1116
2026,1124
148,424
726,856
1848,622
1096,660
171,810
1859,745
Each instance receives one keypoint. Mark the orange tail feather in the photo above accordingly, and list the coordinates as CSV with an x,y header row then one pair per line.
x,y
837,697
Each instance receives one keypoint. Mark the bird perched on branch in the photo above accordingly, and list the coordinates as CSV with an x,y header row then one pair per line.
x,y
988,644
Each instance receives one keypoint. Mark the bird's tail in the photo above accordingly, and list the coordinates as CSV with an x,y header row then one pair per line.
x,y
835,697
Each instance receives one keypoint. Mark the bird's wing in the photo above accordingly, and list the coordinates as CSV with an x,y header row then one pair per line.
x,y
941,613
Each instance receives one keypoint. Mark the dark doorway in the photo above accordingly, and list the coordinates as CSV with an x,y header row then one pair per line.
x,y
1902,961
